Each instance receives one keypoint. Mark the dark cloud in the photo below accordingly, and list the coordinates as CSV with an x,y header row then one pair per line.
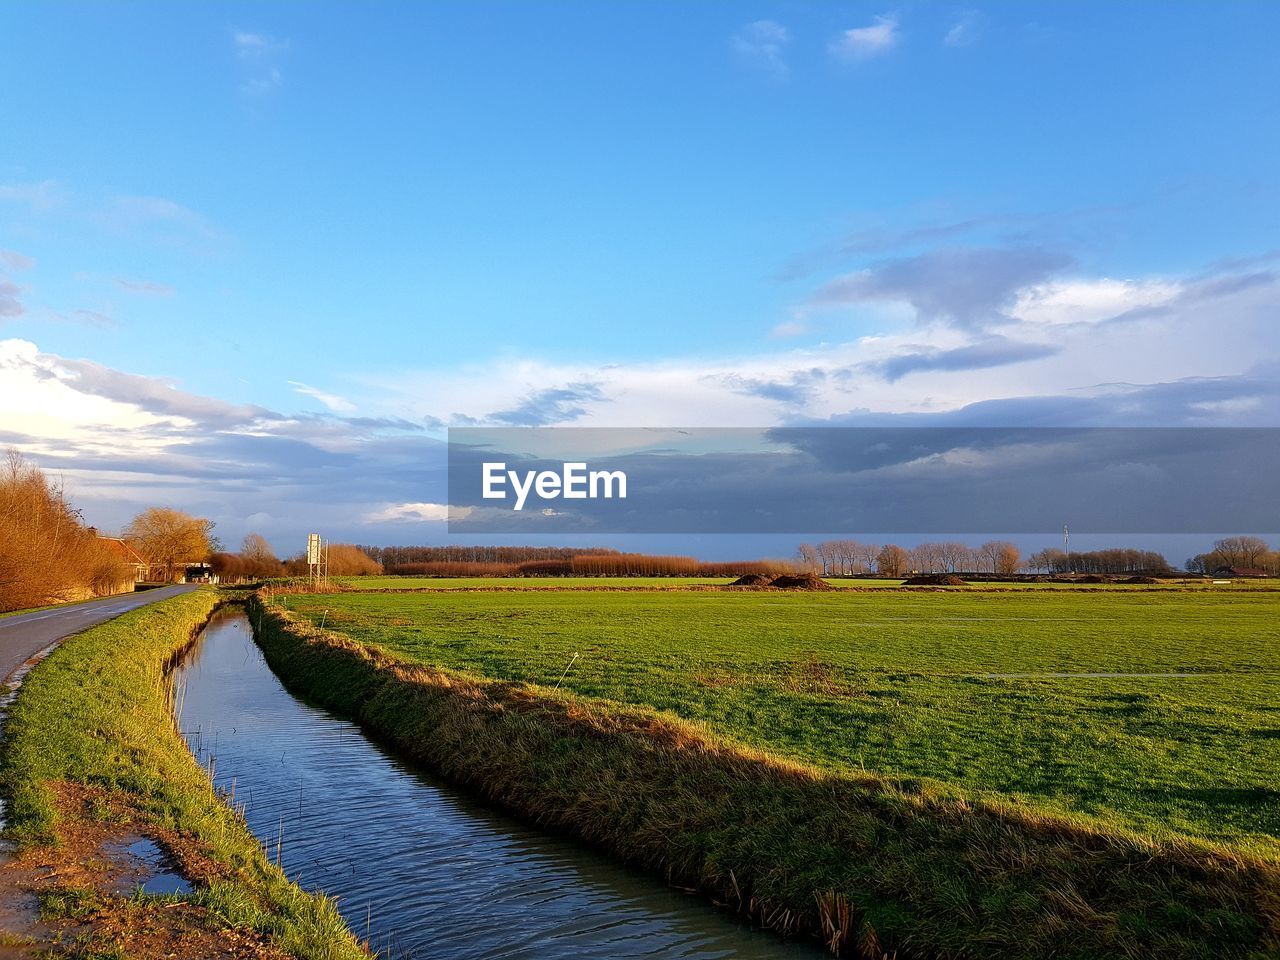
x,y
795,390
880,241
991,352
967,286
154,395
1250,400
896,480
553,405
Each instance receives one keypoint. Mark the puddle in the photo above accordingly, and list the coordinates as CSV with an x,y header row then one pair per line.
x,y
145,866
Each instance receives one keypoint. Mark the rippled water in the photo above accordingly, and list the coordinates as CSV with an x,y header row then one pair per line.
x,y
424,870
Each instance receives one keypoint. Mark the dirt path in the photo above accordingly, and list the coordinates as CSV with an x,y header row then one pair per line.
x,y
114,887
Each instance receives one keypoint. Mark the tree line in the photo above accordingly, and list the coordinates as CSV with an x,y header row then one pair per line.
x,y
596,564
1250,553
1114,560
850,558
257,560
393,559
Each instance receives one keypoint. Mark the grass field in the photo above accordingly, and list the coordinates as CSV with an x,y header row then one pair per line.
x,y
902,683
554,583
630,583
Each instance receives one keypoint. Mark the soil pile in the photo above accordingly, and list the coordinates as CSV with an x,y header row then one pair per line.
x,y
752,580
803,582
934,580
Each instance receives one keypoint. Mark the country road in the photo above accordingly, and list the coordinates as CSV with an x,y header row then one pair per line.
x,y
24,635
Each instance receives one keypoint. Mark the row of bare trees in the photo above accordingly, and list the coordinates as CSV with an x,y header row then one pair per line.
x,y
1114,560
47,553
1248,553
843,558
410,559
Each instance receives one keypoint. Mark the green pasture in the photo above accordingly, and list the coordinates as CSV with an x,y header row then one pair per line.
x,y
961,687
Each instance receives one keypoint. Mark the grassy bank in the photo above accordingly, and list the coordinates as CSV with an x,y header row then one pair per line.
x,y
914,685
95,714
862,862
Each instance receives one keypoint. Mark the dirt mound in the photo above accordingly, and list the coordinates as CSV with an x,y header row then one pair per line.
x,y
1092,578
752,580
934,580
805,582
1140,580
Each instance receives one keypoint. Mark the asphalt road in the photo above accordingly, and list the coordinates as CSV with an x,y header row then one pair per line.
x,y
23,635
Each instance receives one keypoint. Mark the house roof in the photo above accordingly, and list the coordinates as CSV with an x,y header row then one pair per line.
x,y
122,549
1242,571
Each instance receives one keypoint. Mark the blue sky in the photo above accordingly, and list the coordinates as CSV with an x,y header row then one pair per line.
x,y
318,233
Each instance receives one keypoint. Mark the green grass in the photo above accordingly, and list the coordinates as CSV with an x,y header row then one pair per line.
x,y
96,712
364,584
871,865
897,683
508,583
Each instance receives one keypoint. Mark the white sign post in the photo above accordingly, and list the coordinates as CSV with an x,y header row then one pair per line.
x,y
317,559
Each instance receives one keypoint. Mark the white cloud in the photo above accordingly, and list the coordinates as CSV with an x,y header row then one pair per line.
x,y
259,54
1089,301
1049,338
860,43
249,44
38,398
1146,351
762,44
416,513
963,31
331,400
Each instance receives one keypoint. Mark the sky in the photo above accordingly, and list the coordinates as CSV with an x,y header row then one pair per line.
x,y
256,259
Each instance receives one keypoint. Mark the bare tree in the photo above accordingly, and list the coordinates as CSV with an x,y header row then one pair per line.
x,y
170,538
1241,551
807,554
256,548
891,561
1008,559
